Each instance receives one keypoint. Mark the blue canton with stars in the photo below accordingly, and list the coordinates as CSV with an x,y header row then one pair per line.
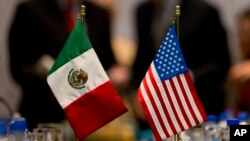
x,y
169,61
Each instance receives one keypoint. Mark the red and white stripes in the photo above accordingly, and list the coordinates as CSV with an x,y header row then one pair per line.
x,y
170,106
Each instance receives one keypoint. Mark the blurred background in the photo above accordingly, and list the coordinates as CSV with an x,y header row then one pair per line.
x,y
124,44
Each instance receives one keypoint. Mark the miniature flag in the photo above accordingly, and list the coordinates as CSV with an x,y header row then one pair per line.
x,y
82,87
167,94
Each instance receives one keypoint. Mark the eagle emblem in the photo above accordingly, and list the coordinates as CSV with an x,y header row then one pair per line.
x,y
77,78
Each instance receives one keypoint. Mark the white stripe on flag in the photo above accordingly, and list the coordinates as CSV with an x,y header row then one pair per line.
x,y
152,112
190,97
184,103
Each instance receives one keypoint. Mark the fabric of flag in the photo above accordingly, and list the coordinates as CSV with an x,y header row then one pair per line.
x,y
82,87
167,94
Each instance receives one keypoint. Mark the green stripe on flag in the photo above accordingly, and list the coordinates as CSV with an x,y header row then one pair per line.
x,y
76,44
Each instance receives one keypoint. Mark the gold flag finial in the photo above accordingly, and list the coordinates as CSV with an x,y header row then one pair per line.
x,y
82,12
177,10
177,18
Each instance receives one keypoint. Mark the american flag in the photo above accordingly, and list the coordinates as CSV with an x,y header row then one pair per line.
x,y
167,94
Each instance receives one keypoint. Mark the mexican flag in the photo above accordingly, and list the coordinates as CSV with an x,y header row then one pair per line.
x,y
82,87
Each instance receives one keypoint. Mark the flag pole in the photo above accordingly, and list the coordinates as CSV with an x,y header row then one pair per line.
x,y
176,21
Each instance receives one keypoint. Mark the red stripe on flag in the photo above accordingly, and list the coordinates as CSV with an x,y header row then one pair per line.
x,y
94,110
187,120
174,129
179,103
188,102
148,116
196,98
156,109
